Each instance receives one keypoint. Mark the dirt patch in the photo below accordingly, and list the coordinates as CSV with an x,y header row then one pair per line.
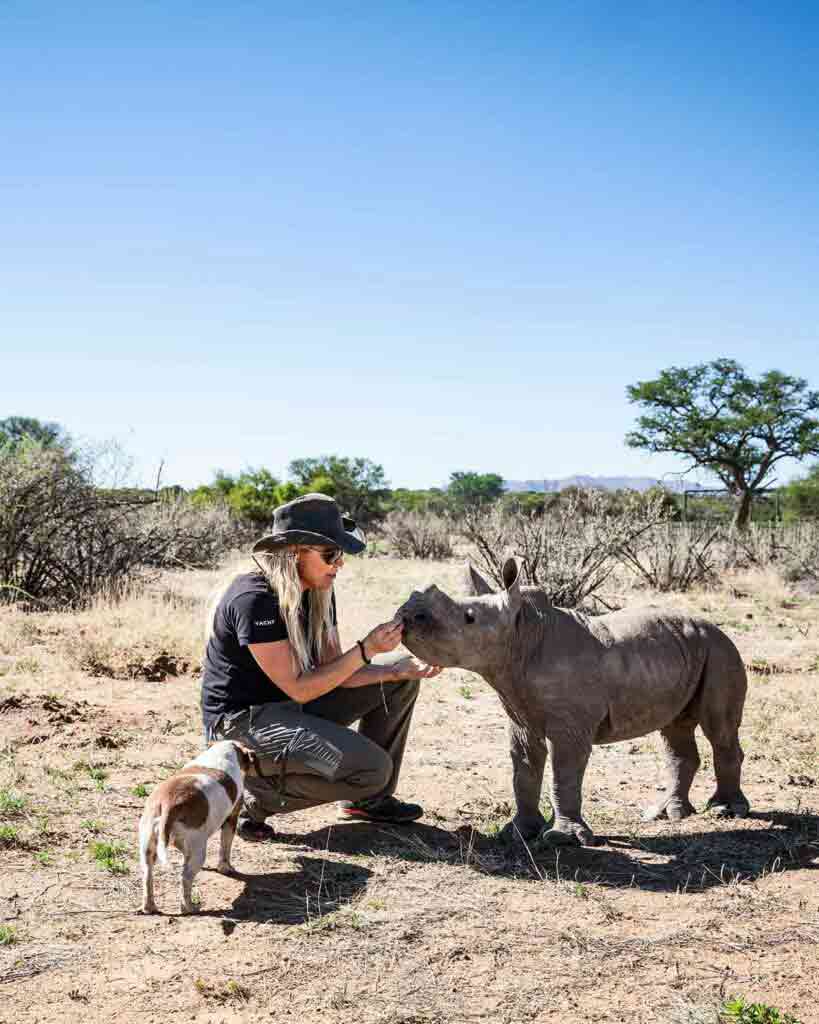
x,y
435,923
122,664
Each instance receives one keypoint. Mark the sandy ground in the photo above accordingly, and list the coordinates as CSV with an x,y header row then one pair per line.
x,y
436,922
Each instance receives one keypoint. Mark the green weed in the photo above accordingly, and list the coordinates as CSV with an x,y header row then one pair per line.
x,y
466,692
737,1011
97,774
8,935
109,856
334,921
10,837
222,992
140,789
11,805
94,827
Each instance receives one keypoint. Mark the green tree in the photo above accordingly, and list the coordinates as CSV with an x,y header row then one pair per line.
x,y
735,426
467,490
431,500
800,498
252,495
357,484
16,430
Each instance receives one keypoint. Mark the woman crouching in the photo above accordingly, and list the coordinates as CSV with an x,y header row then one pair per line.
x,y
276,680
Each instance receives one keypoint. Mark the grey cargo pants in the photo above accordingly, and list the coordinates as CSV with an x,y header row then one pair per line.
x,y
311,757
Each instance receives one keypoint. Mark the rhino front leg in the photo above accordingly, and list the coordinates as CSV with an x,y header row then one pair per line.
x,y
528,761
570,755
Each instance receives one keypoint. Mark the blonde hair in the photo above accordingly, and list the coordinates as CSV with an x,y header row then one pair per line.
x,y
280,569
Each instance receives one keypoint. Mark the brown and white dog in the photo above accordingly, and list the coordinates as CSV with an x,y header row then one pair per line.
x,y
186,810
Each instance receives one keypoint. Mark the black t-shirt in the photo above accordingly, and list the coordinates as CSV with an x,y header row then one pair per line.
x,y
248,613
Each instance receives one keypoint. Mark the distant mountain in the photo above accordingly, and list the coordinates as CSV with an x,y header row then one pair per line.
x,y
601,483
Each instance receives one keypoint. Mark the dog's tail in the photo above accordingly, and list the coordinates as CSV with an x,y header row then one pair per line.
x,y
154,831
163,835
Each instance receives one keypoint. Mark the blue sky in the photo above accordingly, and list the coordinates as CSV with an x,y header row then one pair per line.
x,y
440,235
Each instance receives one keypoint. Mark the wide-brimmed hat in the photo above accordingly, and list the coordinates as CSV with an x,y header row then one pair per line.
x,y
312,519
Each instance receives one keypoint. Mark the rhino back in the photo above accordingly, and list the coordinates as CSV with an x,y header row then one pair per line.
x,y
618,676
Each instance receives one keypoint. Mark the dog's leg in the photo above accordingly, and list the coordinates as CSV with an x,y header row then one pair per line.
x,y
195,852
147,856
226,839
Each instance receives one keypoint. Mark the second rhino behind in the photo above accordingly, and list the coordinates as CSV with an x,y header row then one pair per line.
x,y
568,681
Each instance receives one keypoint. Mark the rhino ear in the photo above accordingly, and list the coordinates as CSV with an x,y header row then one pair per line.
x,y
476,585
511,583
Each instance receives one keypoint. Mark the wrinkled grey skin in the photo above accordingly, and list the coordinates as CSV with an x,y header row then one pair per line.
x,y
568,681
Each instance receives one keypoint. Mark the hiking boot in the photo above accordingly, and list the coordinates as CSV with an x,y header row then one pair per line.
x,y
386,809
255,831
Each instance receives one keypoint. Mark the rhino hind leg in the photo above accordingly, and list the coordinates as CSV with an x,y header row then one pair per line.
x,y
681,761
728,800
723,700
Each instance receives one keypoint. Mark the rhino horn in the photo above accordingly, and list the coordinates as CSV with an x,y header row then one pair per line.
x,y
476,585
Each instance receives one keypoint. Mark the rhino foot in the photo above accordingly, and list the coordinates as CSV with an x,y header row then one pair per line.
x,y
736,806
568,833
674,808
522,829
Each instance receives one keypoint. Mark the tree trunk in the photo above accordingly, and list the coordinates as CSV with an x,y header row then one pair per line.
x,y
742,510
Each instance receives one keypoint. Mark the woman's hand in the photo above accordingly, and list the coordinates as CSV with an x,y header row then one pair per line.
x,y
412,668
383,638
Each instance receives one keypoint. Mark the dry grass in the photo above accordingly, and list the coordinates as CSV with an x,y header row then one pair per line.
x,y
435,923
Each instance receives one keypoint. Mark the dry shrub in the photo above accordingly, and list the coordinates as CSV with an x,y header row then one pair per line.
x,y
674,557
418,535
63,540
571,549
791,549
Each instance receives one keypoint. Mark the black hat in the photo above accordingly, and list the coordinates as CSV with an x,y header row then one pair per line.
x,y
312,519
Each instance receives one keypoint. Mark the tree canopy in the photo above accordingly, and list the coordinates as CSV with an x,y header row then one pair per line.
x,y
719,418
468,489
16,430
801,496
357,484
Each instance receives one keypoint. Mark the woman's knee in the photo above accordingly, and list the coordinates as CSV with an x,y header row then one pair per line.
x,y
405,692
373,772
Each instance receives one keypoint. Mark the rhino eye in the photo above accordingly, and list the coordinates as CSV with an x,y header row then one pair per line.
x,y
469,616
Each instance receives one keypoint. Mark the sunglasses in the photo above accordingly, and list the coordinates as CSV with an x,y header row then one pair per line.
x,y
331,556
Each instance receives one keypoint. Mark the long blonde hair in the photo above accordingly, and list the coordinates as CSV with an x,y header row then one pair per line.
x,y
280,569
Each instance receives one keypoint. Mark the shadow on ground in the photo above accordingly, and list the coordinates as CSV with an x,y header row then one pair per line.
x,y
318,888
694,861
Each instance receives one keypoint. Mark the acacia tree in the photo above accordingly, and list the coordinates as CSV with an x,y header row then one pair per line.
x,y
720,419
468,489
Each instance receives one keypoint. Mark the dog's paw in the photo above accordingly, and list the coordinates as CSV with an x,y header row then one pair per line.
x,y
227,869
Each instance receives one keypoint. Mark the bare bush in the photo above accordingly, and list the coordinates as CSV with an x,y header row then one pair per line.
x,y
63,541
418,534
791,549
568,552
674,557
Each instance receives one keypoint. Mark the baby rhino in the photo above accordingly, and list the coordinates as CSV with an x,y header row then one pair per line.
x,y
187,808
568,681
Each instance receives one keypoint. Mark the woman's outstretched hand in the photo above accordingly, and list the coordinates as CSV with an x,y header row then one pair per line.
x,y
383,638
413,668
